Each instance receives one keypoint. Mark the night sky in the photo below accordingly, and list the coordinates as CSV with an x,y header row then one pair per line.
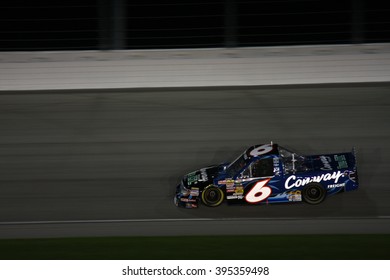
x,y
146,24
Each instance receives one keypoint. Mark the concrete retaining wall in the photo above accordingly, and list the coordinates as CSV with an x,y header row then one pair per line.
x,y
194,68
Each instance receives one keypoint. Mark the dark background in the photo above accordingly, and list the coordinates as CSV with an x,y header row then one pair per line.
x,y
149,24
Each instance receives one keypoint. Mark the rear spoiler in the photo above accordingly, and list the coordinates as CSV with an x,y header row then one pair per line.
x,y
354,176
355,158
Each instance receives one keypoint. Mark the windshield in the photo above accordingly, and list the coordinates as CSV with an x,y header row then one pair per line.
x,y
292,162
236,166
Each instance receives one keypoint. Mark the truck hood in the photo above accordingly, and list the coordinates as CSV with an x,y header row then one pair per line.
x,y
201,178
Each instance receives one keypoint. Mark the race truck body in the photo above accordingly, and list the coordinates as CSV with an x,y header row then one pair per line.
x,y
269,173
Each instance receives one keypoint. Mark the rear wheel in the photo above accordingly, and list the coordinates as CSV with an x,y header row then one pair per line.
x,y
212,196
313,193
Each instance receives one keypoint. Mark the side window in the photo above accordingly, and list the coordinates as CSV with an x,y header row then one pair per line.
x,y
263,168
246,173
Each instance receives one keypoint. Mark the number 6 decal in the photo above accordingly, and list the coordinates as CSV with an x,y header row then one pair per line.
x,y
259,192
261,150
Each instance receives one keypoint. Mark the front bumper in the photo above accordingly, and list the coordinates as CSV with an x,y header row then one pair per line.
x,y
189,199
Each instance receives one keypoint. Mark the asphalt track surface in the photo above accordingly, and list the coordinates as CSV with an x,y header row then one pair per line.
x,y
95,163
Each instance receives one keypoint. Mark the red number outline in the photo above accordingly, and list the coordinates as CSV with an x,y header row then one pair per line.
x,y
259,187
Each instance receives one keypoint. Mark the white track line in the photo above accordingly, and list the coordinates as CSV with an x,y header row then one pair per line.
x,y
101,221
187,220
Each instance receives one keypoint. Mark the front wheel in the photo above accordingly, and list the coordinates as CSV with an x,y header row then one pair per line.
x,y
313,193
212,196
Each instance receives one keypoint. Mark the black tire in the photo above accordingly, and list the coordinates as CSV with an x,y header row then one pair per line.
x,y
313,193
212,196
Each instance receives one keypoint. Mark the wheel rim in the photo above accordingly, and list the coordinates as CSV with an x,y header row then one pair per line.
x,y
314,194
212,196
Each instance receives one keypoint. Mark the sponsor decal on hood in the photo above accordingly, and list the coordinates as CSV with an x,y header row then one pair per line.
x,y
201,177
